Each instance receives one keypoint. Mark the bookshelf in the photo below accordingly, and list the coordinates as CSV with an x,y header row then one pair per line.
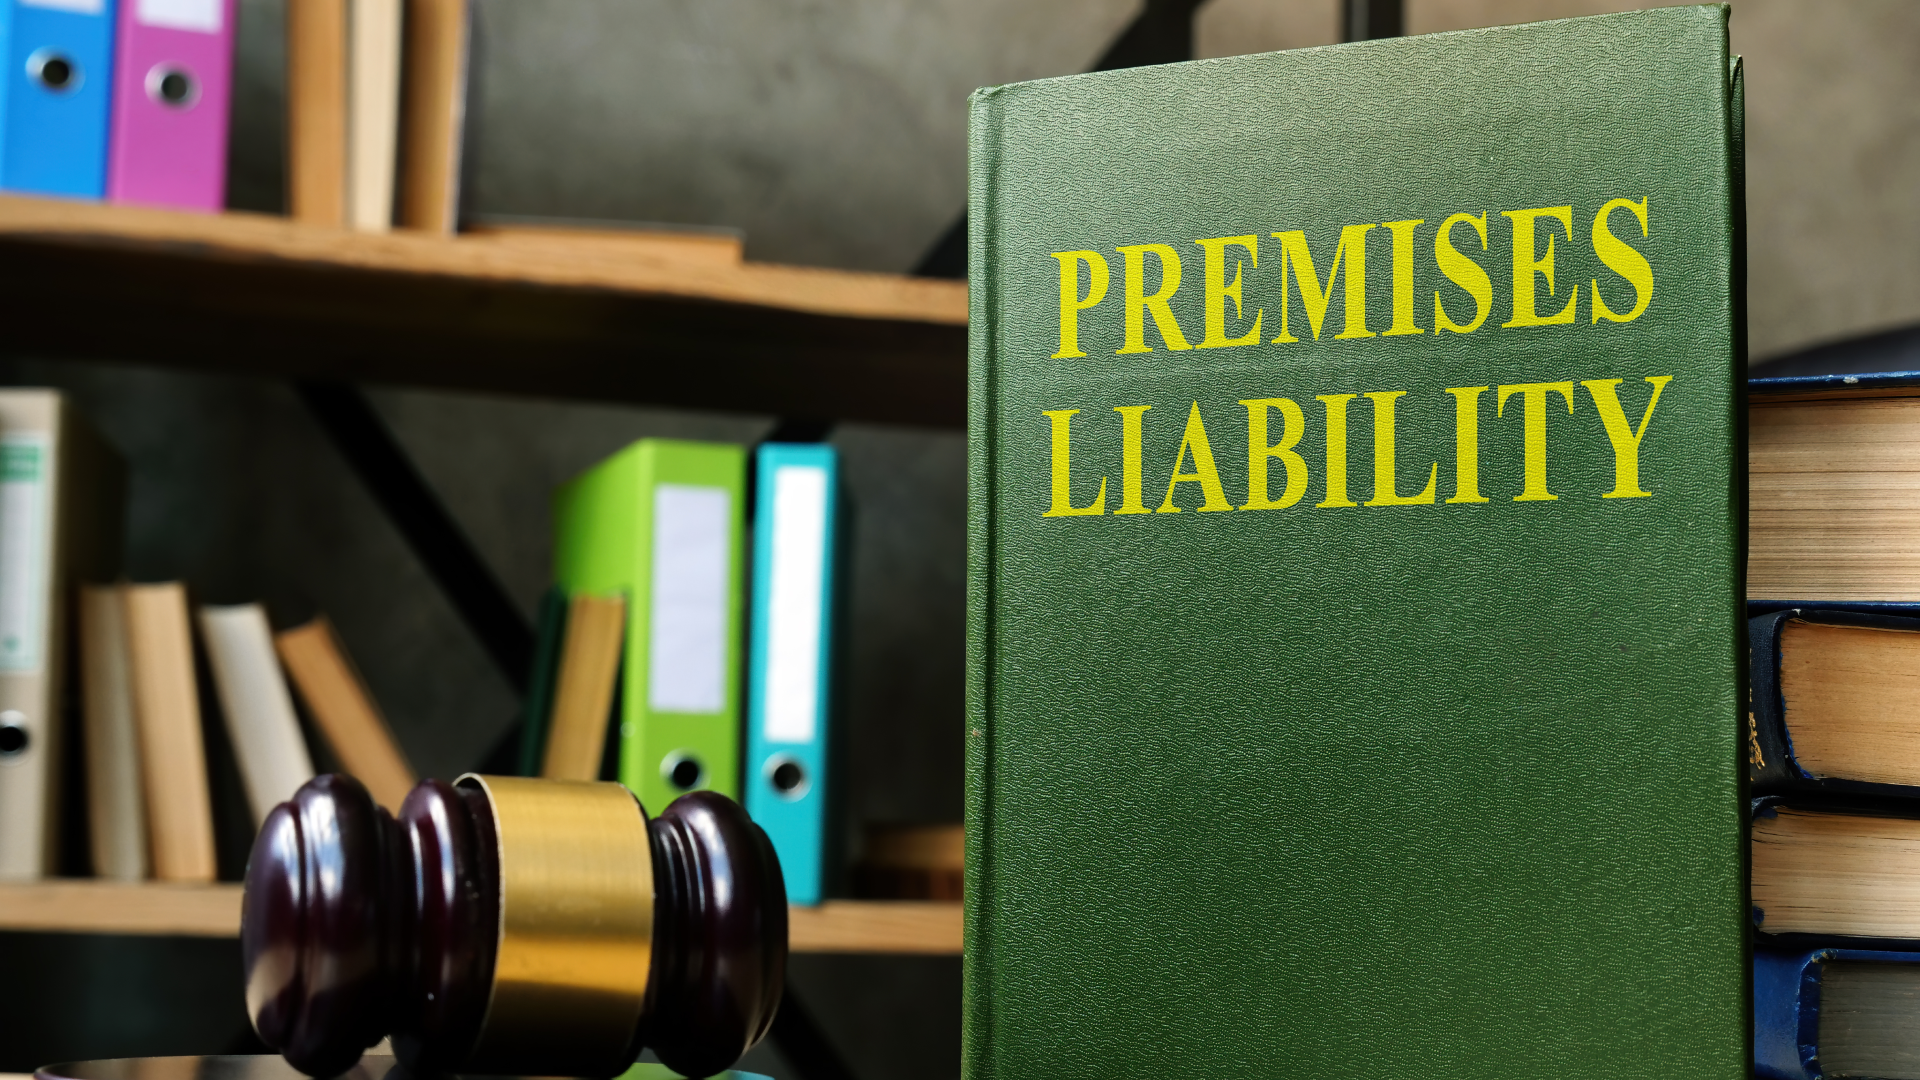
x,y
664,318
104,907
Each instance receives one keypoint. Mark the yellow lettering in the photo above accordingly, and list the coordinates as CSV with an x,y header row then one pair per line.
x,y
1403,278
1062,472
1139,304
1204,474
1071,302
1622,259
1292,426
1466,443
1534,427
1314,298
1463,272
1336,450
1219,292
1624,437
1130,425
1525,266
1383,467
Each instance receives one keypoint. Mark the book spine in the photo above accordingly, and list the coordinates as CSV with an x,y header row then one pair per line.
x,y
344,710
259,711
1786,1010
373,112
1770,764
976,1055
584,693
116,797
434,112
172,755
317,111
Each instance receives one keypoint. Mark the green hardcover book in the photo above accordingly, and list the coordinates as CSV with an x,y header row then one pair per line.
x,y
1354,651
662,521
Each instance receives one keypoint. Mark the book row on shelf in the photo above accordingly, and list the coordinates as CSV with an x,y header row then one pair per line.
x,y
688,643
129,101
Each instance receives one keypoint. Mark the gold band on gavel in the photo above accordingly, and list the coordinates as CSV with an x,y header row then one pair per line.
x,y
576,921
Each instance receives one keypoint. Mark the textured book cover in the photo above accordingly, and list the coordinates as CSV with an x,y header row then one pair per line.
x,y
1355,647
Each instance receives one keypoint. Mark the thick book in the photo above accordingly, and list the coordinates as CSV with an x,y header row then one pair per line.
x,y
172,86
790,786
1835,703
173,758
662,522
116,796
1836,866
59,93
256,705
344,710
1835,1011
1355,660
62,493
1830,505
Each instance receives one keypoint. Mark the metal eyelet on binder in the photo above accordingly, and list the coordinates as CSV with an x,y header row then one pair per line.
x,y
54,70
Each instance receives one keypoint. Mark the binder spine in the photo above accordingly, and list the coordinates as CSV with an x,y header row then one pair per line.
x,y
788,778
60,82
173,74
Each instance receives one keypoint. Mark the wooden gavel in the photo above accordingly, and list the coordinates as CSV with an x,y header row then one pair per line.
x,y
507,925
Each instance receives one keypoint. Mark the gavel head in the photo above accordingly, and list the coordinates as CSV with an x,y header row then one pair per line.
x,y
505,925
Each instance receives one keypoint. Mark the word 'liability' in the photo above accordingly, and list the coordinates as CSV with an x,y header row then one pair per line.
x,y
1274,458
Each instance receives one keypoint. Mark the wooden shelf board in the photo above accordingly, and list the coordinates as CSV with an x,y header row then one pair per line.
x,y
102,907
663,318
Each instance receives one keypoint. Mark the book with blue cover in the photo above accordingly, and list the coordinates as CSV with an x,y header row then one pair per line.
x,y
59,91
1831,1011
789,783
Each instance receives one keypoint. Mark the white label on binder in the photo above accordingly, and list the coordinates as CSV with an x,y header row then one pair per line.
x,y
24,463
198,15
687,646
798,575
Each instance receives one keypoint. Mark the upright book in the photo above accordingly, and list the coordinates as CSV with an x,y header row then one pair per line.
x,y
173,76
661,522
1354,646
116,796
173,759
254,700
789,781
62,490
59,92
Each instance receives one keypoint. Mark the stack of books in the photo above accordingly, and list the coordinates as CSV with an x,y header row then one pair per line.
x,y
139,723
1833,740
